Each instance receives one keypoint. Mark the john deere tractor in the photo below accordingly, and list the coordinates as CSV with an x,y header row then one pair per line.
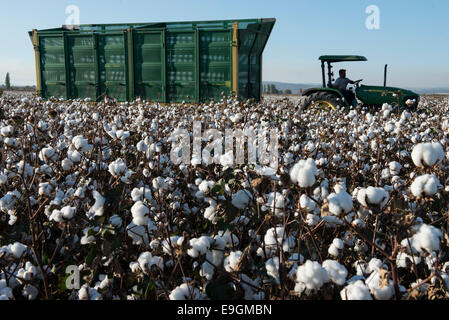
x,y
328,97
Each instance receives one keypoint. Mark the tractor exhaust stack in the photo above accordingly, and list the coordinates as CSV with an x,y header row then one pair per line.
x,y
385,75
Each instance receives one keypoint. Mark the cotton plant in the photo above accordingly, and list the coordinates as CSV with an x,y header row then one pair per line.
x,y
310,276
304,173
425,239
356,290
427,154
276,203
425,185
100,182
186,292
241,199
118,169
373,197
275,239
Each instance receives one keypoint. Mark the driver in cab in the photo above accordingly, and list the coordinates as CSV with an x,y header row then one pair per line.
x,y
341,84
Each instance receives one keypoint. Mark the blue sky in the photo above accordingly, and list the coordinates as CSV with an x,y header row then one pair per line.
x,y
413,38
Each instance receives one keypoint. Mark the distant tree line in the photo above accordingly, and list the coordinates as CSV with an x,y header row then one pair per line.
x,y
271,89
7,86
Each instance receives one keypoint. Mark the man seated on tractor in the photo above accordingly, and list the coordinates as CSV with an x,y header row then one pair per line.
x,y
341,84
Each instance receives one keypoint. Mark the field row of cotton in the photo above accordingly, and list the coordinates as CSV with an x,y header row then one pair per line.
x,y
357,208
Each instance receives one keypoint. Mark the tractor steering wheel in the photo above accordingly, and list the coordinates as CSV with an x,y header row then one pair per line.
x,y
357,83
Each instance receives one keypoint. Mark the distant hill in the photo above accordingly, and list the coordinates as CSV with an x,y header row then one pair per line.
x,y
431,90
294,87
297,87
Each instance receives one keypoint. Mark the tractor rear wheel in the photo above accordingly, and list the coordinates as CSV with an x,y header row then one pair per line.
x,y
321,101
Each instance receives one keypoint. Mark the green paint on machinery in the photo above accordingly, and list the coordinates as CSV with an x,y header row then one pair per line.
x,y
374,96
165,62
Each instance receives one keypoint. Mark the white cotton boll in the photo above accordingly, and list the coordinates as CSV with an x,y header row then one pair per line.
x,y
56,216
273,240
206,186
356,291
88,293
340,202
86,238
226,237
426,184
430,260
276,203
236,118
96,116
230,262
207,271
117,168
361,267
389,127
81,144
185,292
395,168
98,208
68,212
142,146
312,220
139,234
3,179
66,164
48,154
226,160
45,188
127,177
215,257
146,173
337,272
338,243
380,289
140,213
335,248
7,131
199,246
74,156
312,275
140,194
373,196
146,260
427,154
403,260
210,213
122,135
426,238
17,249
8,201
272,267
375,264
405,115
306,203
304,173
241,199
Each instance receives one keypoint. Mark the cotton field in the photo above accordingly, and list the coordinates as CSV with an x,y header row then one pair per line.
x,y
357,208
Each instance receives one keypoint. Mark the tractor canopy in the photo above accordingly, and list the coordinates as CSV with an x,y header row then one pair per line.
x,y
342,58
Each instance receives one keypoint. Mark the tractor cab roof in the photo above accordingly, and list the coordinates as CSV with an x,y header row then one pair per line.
x,y
342,58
